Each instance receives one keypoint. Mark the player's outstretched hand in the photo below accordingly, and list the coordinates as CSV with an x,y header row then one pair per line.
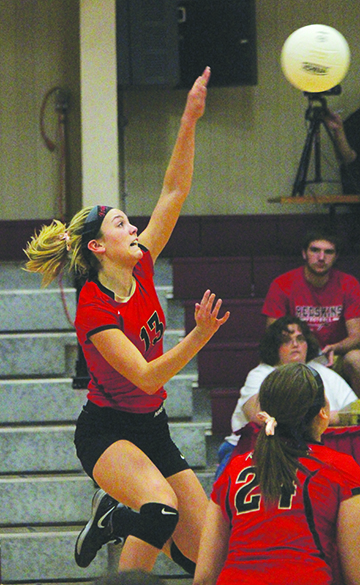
x,y
195,104
206,315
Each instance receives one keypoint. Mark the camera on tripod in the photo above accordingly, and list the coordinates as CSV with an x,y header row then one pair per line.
x,y
317,102
316,111
336,90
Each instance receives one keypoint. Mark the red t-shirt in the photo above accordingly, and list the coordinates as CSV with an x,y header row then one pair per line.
x,y
142,320
325,309
295,541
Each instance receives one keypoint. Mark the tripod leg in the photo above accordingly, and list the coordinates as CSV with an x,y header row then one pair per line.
x,y
300,179
317,155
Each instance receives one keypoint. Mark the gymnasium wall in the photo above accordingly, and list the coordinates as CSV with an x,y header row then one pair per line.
x,y
248,144
250,140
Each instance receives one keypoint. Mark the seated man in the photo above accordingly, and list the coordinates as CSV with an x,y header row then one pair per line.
x,y
327,299
287,340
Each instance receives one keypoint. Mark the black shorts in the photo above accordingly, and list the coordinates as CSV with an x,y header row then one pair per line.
x,y
98,427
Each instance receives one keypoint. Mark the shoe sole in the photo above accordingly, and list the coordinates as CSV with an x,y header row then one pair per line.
x,y
98,496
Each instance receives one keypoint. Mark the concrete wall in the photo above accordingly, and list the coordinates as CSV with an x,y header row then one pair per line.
x,y
249,142
39,48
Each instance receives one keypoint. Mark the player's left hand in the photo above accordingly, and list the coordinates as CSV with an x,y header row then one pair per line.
x,y
206,314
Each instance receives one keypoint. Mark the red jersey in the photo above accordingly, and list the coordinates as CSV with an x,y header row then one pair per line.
x,y
325,309
295,541
142,320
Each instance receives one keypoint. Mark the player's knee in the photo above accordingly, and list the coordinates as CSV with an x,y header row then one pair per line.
x,y
158,522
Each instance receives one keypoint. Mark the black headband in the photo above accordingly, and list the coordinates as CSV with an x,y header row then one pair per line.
x,y
92,226
319,398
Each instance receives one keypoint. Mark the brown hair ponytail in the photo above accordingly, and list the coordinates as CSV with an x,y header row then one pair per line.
x,y
293,394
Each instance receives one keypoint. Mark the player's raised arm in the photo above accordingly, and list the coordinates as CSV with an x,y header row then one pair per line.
x,y
179,173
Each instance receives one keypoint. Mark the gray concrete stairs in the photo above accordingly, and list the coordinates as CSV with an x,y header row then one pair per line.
x,y
45,497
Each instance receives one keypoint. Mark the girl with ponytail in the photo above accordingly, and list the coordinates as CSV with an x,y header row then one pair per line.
x,y
148,497
288,512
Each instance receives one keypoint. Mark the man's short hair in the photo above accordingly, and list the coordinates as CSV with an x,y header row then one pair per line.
x,y
273,339
315,235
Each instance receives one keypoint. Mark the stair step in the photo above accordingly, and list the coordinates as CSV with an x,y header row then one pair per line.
x,y
172,338
38,449
37,554
53,400
190,437
164,567
20,447
246,323
174,313
37,310
51,354
223,402
43,401
37,354
226,364
12,276
234,277
51,547
163,272
40,500
31,306
227,277
30,500
45,554
179,402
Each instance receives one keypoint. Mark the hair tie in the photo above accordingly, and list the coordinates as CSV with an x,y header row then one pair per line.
x,y
65,236
270,422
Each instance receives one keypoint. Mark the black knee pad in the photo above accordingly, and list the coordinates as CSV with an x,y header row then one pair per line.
x,y
157,523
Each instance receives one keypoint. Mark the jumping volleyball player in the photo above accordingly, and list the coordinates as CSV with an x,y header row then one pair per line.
x,y
122,435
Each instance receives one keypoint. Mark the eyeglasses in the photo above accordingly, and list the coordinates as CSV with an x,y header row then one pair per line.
x,y
289,340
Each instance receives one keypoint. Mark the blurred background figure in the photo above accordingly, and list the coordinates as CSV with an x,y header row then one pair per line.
x,y
347,145
287,340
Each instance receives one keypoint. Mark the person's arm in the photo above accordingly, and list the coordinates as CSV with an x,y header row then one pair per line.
x,y
251,408
344,151
337,390
213,546
248,403
352,341
348,539
178,176
126,359
334,419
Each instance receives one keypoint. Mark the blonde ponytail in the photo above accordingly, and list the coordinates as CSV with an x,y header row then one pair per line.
x,y
56,247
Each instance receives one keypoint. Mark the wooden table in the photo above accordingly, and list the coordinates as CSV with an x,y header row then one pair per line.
x,y
332,201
